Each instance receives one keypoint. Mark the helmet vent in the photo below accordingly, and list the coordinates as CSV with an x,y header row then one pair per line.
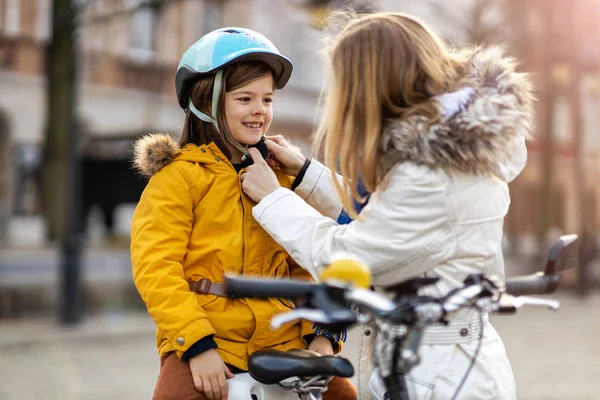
x,y
232,31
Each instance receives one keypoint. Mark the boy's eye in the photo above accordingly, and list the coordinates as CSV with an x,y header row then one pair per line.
x,y
268,100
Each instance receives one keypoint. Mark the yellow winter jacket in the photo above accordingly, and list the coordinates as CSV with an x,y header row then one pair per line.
x,y
193,221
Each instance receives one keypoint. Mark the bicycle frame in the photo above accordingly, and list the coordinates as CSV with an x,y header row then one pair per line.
x,y
331,304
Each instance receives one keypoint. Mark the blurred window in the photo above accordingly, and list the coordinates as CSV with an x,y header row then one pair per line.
x,y
27,181
12,17
528,213
212,17
5,162
591,117
591,205
302,44
142,44
562,120
43,15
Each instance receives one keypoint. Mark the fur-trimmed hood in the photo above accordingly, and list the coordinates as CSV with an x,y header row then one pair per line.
x,y
484,123
153,152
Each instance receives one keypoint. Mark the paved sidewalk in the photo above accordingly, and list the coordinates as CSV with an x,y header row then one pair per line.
x,y
555,356
110,356
47,330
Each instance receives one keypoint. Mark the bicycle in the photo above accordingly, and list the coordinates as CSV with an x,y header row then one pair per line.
x,y
399,321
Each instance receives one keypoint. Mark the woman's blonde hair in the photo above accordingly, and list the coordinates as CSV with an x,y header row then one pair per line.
x,y
200,132
383,66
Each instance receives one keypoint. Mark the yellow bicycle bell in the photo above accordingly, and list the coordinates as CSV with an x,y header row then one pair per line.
x,y
348,271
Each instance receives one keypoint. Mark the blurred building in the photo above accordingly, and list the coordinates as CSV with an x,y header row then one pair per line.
x,y
560,46
129,54
128,58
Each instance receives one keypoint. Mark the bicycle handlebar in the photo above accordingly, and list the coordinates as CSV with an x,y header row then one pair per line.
x,y
430,311
264,288
531,284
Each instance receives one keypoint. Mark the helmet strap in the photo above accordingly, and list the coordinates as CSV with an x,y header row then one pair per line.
x,y
215,102
216,93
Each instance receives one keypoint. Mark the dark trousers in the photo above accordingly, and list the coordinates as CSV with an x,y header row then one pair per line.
x,y
175,382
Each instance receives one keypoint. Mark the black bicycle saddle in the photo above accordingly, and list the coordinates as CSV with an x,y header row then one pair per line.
x,y
272,366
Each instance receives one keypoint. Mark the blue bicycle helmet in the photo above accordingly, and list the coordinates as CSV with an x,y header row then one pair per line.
x,y
218,49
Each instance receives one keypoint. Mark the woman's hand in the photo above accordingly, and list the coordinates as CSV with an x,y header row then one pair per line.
x,y
259,180
210,374
321,345
285,156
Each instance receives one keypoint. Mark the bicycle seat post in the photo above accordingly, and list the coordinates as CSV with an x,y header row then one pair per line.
x,y
311,388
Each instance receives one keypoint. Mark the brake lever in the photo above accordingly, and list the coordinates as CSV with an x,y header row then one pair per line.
x,y
372,301
312,315
509,303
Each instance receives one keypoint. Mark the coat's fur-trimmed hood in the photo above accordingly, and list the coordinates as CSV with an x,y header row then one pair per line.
x,y
481,135
153,152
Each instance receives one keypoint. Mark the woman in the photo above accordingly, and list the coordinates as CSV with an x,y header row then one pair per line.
x,y
435,135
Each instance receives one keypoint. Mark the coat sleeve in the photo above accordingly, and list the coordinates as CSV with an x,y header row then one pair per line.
x,y
404,231
317,189
160,233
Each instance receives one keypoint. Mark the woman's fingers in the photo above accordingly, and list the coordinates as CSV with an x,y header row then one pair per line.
x,y
277,139
290,158
274,147
272,162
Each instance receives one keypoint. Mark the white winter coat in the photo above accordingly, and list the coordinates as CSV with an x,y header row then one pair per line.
x,y
440,214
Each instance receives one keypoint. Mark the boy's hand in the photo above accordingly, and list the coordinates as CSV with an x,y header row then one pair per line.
x,y
210,374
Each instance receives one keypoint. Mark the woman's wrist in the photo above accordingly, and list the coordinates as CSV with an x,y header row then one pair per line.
x,y
294,169
300,174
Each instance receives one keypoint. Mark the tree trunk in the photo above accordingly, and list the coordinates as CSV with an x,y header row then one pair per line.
x,y
61,167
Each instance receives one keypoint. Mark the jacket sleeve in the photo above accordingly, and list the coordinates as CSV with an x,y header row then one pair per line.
x,y
317,189
405,228
160,233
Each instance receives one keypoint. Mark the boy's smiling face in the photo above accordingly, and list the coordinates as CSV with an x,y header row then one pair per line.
x,y
249,110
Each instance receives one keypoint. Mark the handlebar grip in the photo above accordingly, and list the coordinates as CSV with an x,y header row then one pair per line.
x,y
532,284
266,288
